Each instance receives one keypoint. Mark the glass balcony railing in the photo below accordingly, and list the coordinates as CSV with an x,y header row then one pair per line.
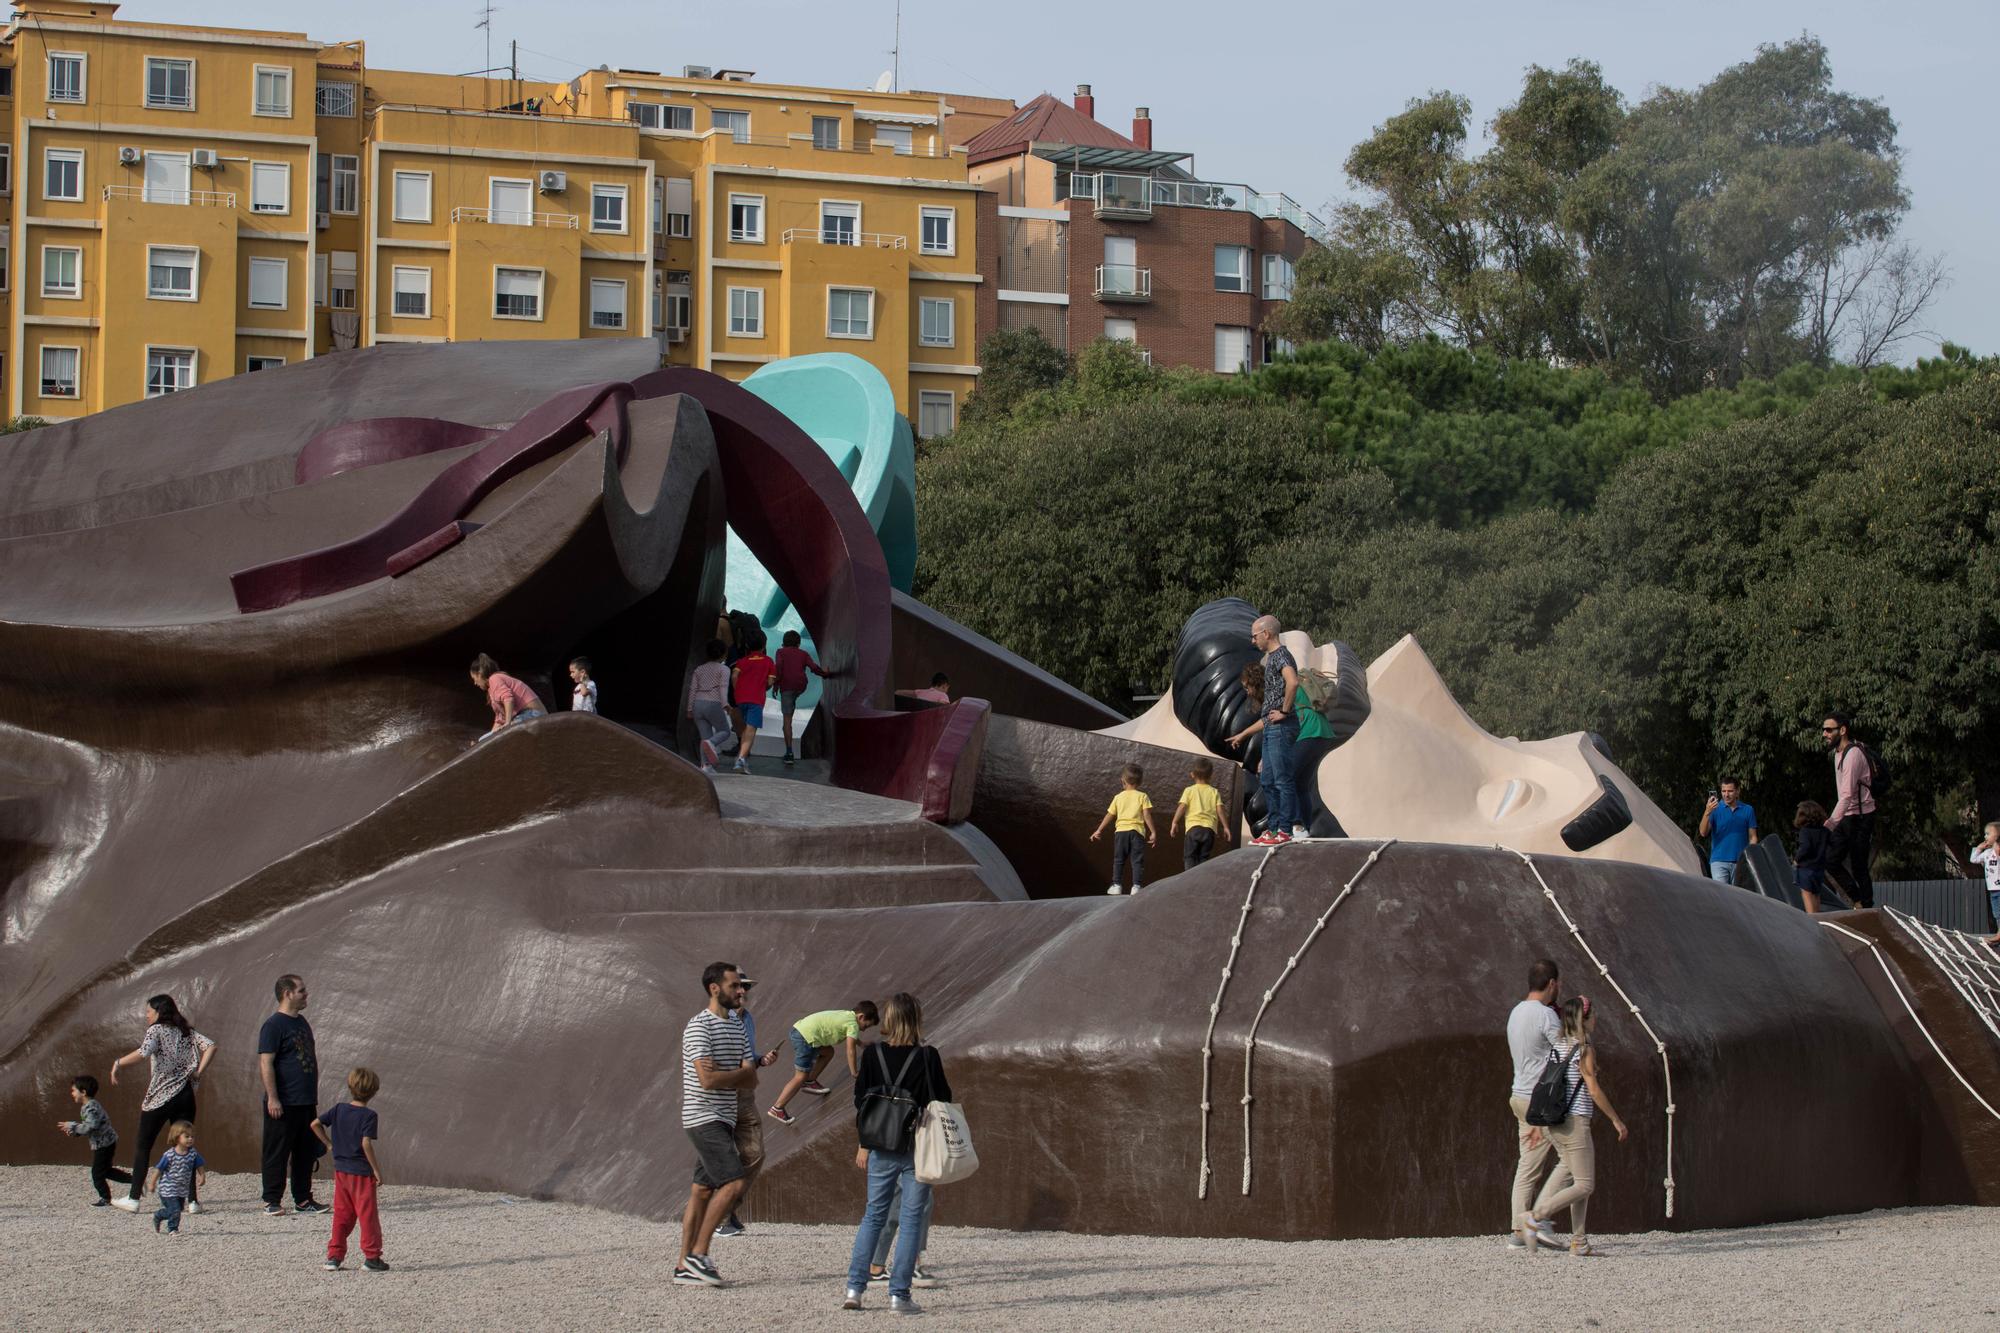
x,y
1124,282
1127,194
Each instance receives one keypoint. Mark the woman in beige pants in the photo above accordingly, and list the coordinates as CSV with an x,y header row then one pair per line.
x,y
1571,1183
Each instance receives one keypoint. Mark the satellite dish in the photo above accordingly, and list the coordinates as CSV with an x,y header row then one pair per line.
x,y
885,81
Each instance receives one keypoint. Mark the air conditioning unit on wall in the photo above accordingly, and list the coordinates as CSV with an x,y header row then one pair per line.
x,y
204,158
130,157
554,182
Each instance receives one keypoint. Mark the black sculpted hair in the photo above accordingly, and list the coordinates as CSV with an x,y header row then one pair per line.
x,y
1209,658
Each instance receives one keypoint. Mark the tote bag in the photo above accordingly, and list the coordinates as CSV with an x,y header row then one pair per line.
x,y
944,1143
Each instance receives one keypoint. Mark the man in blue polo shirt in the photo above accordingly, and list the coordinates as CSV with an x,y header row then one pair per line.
x,y
1730,825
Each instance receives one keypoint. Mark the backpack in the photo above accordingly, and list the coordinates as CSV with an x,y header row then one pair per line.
x,y
1880,781
1550,1102
1321,688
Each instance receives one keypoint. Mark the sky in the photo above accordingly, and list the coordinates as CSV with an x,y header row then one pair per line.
x,y
1273,95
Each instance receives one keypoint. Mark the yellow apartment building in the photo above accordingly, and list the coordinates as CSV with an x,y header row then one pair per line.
x,y
193,202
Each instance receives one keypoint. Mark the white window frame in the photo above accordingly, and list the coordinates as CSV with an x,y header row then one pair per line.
x,y
931,213
851,336
284,74
57,293
146,98
1278,288
75,370
751,324
854,204
6,262
680,223
284,267
1242,274
818,121
623,194
51,156
747,235
905,146
270,362
6,168
182,194
1248,351
194,274
333,275
735,135
350,92
193,369
396,213
493,211
676,299
1120,336
82,76
334,173
541,291
397,290
322,278
928,399
624,311
284,171
927,304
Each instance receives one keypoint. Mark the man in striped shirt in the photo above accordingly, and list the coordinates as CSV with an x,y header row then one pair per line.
x,y
716,1060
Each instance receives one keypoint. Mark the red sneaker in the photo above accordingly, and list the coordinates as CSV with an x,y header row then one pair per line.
x,y
780,1114
814,1087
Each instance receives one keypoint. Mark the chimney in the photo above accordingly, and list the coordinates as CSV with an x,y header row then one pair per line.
x,y
1085,102
1142,127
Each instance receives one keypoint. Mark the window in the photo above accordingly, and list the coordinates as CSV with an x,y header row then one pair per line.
x,y
270,187
62,177
1277,278
517,293
607,303
1122,330
320,279
66,77
826,132
169,84
6,168
939,236
607,208
746,312
62,270
1275,347
934,412
660,116
168,370
410,293
59,371
262,362
272,96
680,207
170,272
268,283
411,192
1232,348
737,123
897,136
746,217
679,307
346,184
167,179
1232,268
334,99
6,254
850,313
659,205
937,321
7,81
839,224
510,202
340,279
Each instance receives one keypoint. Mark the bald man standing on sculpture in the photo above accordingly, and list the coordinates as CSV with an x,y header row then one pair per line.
x,y
1281,732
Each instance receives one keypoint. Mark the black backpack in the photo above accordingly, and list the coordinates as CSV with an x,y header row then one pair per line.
x,y
1880,779
1550,1102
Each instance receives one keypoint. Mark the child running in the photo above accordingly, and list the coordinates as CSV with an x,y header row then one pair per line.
x,y
179,1167
91,1123
1571,1184
1201,806
708,705
813,1040
792,663
749,686
582,699
350,1130
1133,811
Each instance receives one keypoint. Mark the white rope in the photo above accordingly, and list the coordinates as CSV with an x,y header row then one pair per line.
x,y
1666,1068
1937,946
1215,1009
1250,1039
1912,1010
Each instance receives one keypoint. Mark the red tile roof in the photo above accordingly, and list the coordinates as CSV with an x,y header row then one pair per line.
x,y
1046,119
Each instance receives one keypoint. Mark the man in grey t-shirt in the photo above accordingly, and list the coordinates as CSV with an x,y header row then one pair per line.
x,y
1532,1029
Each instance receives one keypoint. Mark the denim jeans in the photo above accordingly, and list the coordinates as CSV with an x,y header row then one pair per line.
x,y
894,1228
1274,775
1722,872
888,1172
170,1212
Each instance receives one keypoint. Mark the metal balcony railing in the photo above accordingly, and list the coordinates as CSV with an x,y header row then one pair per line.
x,y
1124,282
154,195
835,236
509,217
1125,194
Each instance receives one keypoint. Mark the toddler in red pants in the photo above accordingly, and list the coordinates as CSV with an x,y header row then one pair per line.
x,y
350,1130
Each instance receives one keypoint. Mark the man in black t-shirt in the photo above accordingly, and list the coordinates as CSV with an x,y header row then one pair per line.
x,y
290,1067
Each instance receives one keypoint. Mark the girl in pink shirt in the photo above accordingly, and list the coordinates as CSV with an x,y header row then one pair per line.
x,y
511,700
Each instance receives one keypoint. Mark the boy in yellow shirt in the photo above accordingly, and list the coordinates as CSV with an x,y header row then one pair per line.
x,y
1133,810
1201,806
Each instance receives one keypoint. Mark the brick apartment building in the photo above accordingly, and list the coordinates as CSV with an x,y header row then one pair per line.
x,y
1099,234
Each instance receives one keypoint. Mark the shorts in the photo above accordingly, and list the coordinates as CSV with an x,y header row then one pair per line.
x,y
804,1054
788,701
716,1161
752,714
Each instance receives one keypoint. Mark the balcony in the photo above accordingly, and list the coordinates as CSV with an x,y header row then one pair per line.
x,y
152,194
1127,195
1123,282
834,236
508,217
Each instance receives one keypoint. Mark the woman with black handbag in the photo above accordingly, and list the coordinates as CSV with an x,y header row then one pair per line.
x,y
898,1078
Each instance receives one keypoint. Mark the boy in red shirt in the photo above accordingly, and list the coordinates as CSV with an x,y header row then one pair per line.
x,y
793,663
749,685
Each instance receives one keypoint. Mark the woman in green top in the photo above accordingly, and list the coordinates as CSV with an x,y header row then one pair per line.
x,y
1315,742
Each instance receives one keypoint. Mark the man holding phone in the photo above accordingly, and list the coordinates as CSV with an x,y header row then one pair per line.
x,y
749,1126
1730,825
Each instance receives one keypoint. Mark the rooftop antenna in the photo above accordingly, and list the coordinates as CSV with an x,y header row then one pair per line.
x,y
486,22
896,53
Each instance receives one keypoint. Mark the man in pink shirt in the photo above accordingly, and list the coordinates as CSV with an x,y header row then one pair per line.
x,y
1850,829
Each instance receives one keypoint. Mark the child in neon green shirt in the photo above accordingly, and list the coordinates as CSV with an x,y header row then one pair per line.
x,y
813,1040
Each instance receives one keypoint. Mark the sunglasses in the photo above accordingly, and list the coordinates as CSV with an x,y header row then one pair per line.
x,y
1828,731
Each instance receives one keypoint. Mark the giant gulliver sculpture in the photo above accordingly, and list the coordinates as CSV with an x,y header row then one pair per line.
x,y
235,724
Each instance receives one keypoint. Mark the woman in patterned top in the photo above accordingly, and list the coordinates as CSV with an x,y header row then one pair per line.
x,y
179,1056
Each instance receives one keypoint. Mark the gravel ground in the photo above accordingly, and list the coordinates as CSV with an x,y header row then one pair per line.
x,y
464,1260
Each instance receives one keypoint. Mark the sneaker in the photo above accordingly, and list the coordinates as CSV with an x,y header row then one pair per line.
x,y
157,1223
274,1210
923,1277
730,1227
375,1265
1267,840
704,1270
709,758
904,1305
740,766
684,1277
878,1275
311,1206
1527,1227
780,1114
1514,1242
1545,1232
853,1301
816,1088
1136,887
331,1265
194,1205
126,1202
788,759
1115,890
1300,831
100,1203
708,770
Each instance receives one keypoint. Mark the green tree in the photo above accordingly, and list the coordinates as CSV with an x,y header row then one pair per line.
x,y
1013,363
